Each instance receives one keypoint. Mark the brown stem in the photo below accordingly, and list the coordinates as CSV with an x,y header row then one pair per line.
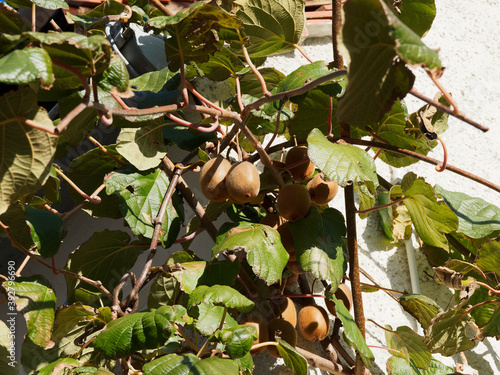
x,y
37,125
338,61
316,361
389,292
441,167
303,53
276,129
97,284
252,66
482,304
445,109
160,6
105,150
446,94
352,247
92,199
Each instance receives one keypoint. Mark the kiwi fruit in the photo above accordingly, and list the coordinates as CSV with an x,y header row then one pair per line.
x,y
287,240
262,330
273,220
344,294
313,322
285,330
285,309
303,171
243,182
293,202
321,191
212,179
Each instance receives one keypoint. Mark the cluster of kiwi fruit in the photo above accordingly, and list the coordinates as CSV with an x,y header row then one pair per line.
x,y
312,321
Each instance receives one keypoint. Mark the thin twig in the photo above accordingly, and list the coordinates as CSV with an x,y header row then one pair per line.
x,y
338,61
105,150
302,52
261,79
92,199
200,128
316,361
441,167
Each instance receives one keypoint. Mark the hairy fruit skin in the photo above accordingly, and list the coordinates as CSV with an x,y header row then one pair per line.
x,y
321,191
293,202
262,330
303,171
313,322
285,330
243,182
344,294
212,179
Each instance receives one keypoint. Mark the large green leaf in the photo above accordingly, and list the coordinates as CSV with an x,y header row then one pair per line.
x,y
351,330
208,318
115,76
26,152
59,365
432,219
143,147
193,30
47,230
52,187
222,65
220,295
405,340
400,366
82,124
489,256
493,327
446,333
130,333
8,363
88,172
51,4
272,26
250,85
476,217
340,162
265,252
141,195
375,78
293,360
156,81
68,317
418,15
37,301
189,364
409,47
14,218
238,339
106,256
21,67
164,291
11,21
319,245
422,308
302,75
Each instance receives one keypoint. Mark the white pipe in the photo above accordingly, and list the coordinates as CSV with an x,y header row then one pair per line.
x,y
412,265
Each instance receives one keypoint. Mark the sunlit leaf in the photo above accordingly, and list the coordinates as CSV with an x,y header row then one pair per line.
x,y
341,162
404,338
400,366
164,291
422,308
27,152
221,65
68,317
293,359
250,85
418,15
220,295
141,197
116,75
11,21
51,4
189,364
21,67
238,339
385,214
8,363
265,252
493,326
489,256
208,318
59,365
156,81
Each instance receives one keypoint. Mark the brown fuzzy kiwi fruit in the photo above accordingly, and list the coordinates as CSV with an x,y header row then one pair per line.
x,y
243,182
293,202
273,220
285,309
303,171
212,179
285,331
321,191
287,240
262,330
313,322
344,294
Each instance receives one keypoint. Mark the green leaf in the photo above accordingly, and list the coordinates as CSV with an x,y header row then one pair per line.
x,y
250,85
493,327
400,366
432,219
88,172
476,217
27,152
340,162
143,147
47,230
409,47
418,15
319,245
265,252
246,364
184,137
189,364
222,65
351,330
293,359
489,256
220,295
446,333
21,67
406,340
208,318
106,256
300,76
156,81
68,317
134,332
482,314
88,370
238,340
61,364
11,21
141,195
51,4
52,187
8,363
82,124
164,291
272,27
116,75
385,214
189,275
19,229
375,78
37,301
422,308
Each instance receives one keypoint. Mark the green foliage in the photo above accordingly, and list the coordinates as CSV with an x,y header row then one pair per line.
x,y
108,278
